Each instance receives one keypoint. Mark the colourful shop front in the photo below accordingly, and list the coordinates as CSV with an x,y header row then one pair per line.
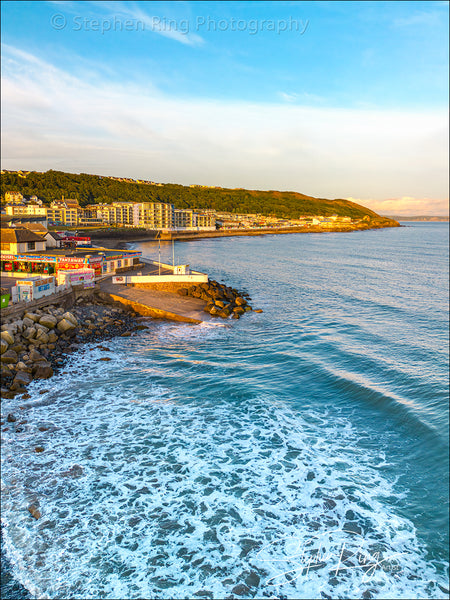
x,y
81,262
100,261
19,264
48,264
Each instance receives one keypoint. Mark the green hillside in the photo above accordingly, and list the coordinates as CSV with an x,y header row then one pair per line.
x,y
91,189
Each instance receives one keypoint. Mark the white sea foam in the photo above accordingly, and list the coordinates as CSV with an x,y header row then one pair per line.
x,y
142,495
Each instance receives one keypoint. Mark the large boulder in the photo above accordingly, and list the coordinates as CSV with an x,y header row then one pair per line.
x,y
7,337
68,316
42,337
17,347
22,378
32,316
41,329
35,356
4,372
52,337
66,325
29,333
48,321
9,357
3,346
34,511
43,371
21,366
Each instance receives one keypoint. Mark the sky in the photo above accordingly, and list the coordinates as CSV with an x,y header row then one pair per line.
x,y
330,99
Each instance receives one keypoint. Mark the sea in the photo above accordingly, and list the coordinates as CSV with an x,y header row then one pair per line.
x,y
301,452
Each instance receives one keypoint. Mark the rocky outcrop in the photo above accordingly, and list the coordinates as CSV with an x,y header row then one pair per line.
x,y
36,345
221,300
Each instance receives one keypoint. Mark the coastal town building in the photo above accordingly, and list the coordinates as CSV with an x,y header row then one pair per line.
x,y
153,215
64,212
52,239
189,219
31,209
10,221
33,288
184,217
15,240
13,198
206,221
24,251
120,213
52,261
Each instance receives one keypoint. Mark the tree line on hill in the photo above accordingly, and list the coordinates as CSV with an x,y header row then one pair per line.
x,y
94,189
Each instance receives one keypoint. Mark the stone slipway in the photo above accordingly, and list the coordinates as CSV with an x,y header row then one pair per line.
x,y
157,304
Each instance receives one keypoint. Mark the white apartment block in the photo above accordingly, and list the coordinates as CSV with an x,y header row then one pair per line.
x,y
184,217
31,209
116,212
153,215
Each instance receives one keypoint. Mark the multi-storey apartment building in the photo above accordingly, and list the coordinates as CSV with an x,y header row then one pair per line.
x,y
184,217
206,220
153,215
66,212
117,212
188,217
30,209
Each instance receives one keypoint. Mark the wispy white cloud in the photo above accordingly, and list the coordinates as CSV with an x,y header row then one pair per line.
x,y
53,119
288,97
301,98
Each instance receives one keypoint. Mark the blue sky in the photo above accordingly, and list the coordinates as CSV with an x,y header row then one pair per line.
x,y
332,99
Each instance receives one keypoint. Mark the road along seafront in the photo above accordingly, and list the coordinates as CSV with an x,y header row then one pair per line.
x,y
114,238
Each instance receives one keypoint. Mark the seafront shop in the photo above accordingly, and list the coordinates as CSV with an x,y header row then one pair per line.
x,y
101,261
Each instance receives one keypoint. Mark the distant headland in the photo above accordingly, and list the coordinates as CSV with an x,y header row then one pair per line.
x,y
419,218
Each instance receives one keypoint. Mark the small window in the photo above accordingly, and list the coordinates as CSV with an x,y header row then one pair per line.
x,y
31,245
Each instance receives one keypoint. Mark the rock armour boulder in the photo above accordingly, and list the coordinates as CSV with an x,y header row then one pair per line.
x,y
48,321
65,325
221,300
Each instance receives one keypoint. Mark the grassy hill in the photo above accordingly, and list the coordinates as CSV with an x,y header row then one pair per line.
x,y
92,189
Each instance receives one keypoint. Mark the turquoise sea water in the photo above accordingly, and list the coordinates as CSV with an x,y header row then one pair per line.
x,y
301,452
